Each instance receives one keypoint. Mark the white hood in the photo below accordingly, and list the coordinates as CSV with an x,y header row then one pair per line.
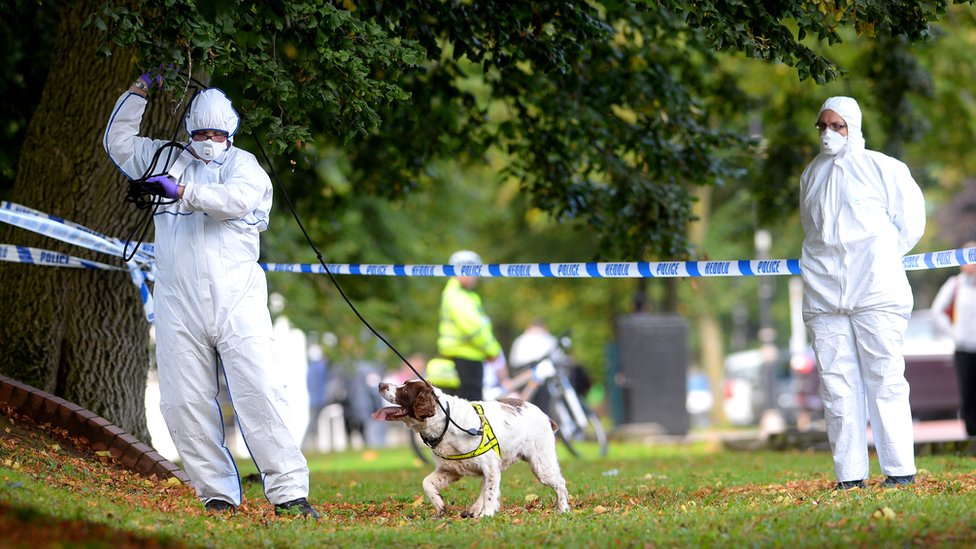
x,y
212,110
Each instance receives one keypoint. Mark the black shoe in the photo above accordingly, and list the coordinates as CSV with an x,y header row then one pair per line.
x,y
849,484
297,507
218,506
892,481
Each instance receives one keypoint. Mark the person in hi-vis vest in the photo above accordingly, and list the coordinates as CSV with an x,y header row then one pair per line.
x,y
465,334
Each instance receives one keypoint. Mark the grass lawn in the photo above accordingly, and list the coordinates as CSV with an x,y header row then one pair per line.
x,y
55,494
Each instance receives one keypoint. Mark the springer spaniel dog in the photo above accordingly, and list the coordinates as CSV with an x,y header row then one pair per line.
x,y
476,439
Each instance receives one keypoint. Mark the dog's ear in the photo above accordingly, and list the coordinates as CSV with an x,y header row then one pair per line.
x,y
424,403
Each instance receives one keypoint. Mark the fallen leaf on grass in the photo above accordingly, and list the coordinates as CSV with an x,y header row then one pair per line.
x,y
529,498
884,513
599,510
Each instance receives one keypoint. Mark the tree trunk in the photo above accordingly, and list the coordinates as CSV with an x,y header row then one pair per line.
x,y
77,333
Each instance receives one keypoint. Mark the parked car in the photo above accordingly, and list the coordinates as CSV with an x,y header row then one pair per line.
x,y
745,385
929,369
699,400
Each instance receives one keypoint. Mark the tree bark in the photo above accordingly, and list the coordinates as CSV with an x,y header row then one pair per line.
x,y
77,333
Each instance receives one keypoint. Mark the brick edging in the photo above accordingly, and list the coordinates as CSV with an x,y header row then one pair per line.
x,y
43,407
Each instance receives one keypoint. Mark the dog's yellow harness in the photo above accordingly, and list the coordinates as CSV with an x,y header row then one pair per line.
x,y
488,440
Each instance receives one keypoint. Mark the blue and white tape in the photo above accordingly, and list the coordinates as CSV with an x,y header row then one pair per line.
x,y
639,269
47,258
142,267
635,269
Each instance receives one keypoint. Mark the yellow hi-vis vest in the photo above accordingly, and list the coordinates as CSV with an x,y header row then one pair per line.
x,y
465,330
441,372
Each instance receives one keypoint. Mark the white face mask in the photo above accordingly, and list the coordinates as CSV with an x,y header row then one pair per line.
x,y
207,149
832,142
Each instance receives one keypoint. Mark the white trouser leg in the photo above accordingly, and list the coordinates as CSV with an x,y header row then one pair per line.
x,y
880,336
257,396
188,387
843,393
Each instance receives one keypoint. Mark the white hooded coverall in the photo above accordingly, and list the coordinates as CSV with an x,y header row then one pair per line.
x,y
861,212
212,303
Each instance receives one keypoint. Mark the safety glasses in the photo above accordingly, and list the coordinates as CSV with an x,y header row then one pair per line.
x,y
834,127
213,136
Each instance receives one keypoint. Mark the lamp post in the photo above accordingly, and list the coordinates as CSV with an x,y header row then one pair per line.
x,y
772,418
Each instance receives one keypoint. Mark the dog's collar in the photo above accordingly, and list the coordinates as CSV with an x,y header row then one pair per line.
x,y
488,440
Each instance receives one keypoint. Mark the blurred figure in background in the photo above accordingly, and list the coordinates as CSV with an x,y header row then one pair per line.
x,y
495,383
955,313
465,334
315,378
353,382
532,345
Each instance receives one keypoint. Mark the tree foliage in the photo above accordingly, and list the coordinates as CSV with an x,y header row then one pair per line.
x,y
599,116
603,107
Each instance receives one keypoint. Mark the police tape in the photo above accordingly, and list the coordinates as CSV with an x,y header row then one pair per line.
x,y
634,269
141,267
639,269
48,225
47,258
76,234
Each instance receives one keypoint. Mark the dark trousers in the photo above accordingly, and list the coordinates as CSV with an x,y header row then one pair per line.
x,y
472,373
966,370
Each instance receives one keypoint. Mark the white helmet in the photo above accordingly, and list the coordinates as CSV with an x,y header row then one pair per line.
x,y
464,257
212,110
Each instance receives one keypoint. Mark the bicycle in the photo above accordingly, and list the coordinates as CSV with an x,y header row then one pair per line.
x,y
547,385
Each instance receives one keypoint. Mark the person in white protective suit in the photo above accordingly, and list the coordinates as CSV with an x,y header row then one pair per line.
x,y
211,300
861,212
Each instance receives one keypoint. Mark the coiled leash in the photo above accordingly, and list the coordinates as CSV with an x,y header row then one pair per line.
x,y
145,195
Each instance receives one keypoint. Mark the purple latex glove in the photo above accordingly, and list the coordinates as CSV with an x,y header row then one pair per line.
x,y
163,185
156,79
151,80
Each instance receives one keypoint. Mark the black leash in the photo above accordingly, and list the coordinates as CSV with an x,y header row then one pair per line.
x,y
433,442
274,176
142,194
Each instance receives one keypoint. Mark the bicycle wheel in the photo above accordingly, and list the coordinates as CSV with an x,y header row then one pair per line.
x,y
596,433
582,441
